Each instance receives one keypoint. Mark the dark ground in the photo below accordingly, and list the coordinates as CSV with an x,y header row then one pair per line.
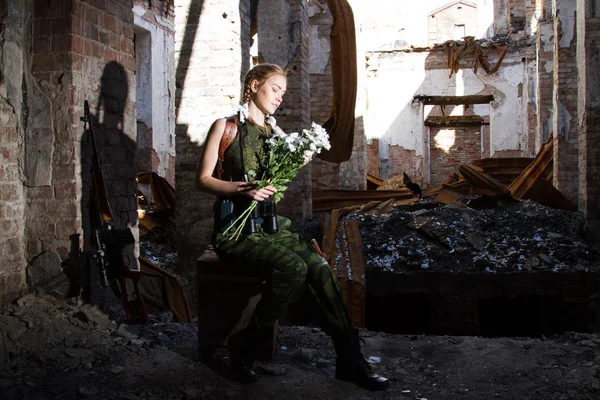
x,y
61,351
56,349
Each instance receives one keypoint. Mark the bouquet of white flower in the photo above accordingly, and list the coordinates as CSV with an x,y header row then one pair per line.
x,y
287,154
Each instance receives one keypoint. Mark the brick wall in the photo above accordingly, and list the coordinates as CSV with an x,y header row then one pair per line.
x,y
588,111
155,101
373,157
83,50
462,146
566,157
545,85
211,56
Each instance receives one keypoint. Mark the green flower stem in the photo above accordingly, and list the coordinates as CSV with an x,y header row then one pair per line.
x,y
240,222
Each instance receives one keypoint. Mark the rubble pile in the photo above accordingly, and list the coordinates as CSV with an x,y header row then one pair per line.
x,y
475,236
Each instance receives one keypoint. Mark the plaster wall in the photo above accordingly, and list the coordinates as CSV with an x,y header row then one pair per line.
x,y
155,105
393,79
441,24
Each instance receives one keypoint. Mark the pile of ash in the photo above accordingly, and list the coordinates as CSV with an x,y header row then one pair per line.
x,y
476,235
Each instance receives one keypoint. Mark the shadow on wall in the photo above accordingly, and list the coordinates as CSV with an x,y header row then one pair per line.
x,y
116,153
195,216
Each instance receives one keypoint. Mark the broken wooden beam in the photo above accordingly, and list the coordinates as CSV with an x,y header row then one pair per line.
x,y
505,170
481,182
454,100
458,121
331,199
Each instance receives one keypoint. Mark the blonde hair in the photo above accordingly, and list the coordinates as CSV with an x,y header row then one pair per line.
x,y
261,73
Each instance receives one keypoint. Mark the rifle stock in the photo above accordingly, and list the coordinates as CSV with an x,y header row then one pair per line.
x,y
109,242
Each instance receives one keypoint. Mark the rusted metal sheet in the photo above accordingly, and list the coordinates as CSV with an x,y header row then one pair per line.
x,y
534,183
505,170
343,247
540,168
331,199
448,196
481,182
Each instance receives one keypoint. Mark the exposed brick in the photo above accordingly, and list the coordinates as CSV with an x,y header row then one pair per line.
x,y
77,26
114,41
127,31
91,32
8,135
9,228
109,22
8,155
78,44
127,46
41,10
100,4
91,15
40,192
110,54
61,25
61,43
42,45
11,283
97,50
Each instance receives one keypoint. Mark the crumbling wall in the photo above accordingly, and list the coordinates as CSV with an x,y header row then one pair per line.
x,y
12,196
588,112
404,75
444,23
155,73
54,55
564,122
82,51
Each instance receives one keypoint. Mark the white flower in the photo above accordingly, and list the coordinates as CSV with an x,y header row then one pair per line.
x,y
242,111
271,121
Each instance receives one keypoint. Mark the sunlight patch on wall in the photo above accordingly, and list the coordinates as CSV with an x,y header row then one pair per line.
x,y
445,139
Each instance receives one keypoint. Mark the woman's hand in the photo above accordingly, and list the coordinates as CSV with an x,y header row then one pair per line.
x,y
249,189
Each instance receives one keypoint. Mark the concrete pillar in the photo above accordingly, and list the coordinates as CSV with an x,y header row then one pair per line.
x,y
283,35
588,111
564,122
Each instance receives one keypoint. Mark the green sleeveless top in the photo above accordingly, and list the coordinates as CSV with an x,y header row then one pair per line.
x,y
255,153
255,157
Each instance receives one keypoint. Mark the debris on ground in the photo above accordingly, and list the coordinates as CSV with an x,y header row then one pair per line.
x,y
63,350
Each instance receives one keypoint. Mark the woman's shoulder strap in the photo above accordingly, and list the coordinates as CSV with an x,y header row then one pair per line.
x,y
228,135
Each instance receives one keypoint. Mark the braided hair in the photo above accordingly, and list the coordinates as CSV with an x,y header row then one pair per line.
x,y
261,73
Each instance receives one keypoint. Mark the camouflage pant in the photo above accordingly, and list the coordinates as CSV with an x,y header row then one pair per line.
x,y
290,266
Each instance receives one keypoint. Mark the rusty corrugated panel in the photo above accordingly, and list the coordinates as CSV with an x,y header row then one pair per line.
x,y
163,289
505,170
331,199
540,168
534,183
480,181
343,246
356,277
448,196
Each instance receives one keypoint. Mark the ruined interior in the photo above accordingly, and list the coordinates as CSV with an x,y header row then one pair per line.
x,y
457,206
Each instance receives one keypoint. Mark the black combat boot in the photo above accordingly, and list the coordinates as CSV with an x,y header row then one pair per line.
x,y
351,365
242,348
